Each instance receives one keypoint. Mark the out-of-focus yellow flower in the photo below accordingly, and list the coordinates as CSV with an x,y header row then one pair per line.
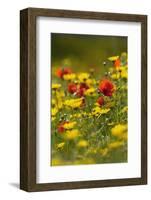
x,y
82,143
69,77
115,76
90,82
124,74
105,110
59,99
96,111
113,58
53,102
90,92
69,125
121,72
122,68
99,111
56,86
104,151
60,94
119,130
125,109
115,145
83,77
54,111
60,104
72,134
74,103
60,145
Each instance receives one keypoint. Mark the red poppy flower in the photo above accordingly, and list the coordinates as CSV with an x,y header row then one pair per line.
x,y
61,127
100,101
80,92
117,63
106,87
84,86
81,89
62,71
72,88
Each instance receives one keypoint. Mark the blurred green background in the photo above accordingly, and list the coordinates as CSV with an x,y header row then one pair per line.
x,y
82,52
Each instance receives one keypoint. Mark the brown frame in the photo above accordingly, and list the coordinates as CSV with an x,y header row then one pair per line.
x,y
28,98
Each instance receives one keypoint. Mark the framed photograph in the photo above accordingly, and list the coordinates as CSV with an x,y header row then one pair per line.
x,y
83,92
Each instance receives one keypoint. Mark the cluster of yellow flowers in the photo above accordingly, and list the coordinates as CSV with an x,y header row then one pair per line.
x,y
97,111
73,103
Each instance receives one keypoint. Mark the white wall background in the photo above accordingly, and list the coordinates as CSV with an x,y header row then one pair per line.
x,y
9,98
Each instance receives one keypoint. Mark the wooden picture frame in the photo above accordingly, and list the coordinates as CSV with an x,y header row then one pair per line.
x,y
28,98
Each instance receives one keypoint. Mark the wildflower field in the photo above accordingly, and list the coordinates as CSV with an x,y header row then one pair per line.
x,y
89,113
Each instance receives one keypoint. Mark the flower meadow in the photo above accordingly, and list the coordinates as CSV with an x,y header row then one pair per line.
x,y
89,114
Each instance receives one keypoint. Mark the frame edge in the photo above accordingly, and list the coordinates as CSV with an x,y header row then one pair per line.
x,y
27,101
23,99
27,59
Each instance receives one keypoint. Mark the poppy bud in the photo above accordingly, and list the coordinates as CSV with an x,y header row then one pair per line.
x,y
100,101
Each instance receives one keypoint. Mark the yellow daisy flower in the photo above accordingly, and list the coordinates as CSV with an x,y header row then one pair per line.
x,y
90,92
119,130
72,134
69,77
83,77
53,102
60,145
60,94
105,110
115,76
69,125
82,143
124,74
56,86
54,111
90,82
74,103
99,111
